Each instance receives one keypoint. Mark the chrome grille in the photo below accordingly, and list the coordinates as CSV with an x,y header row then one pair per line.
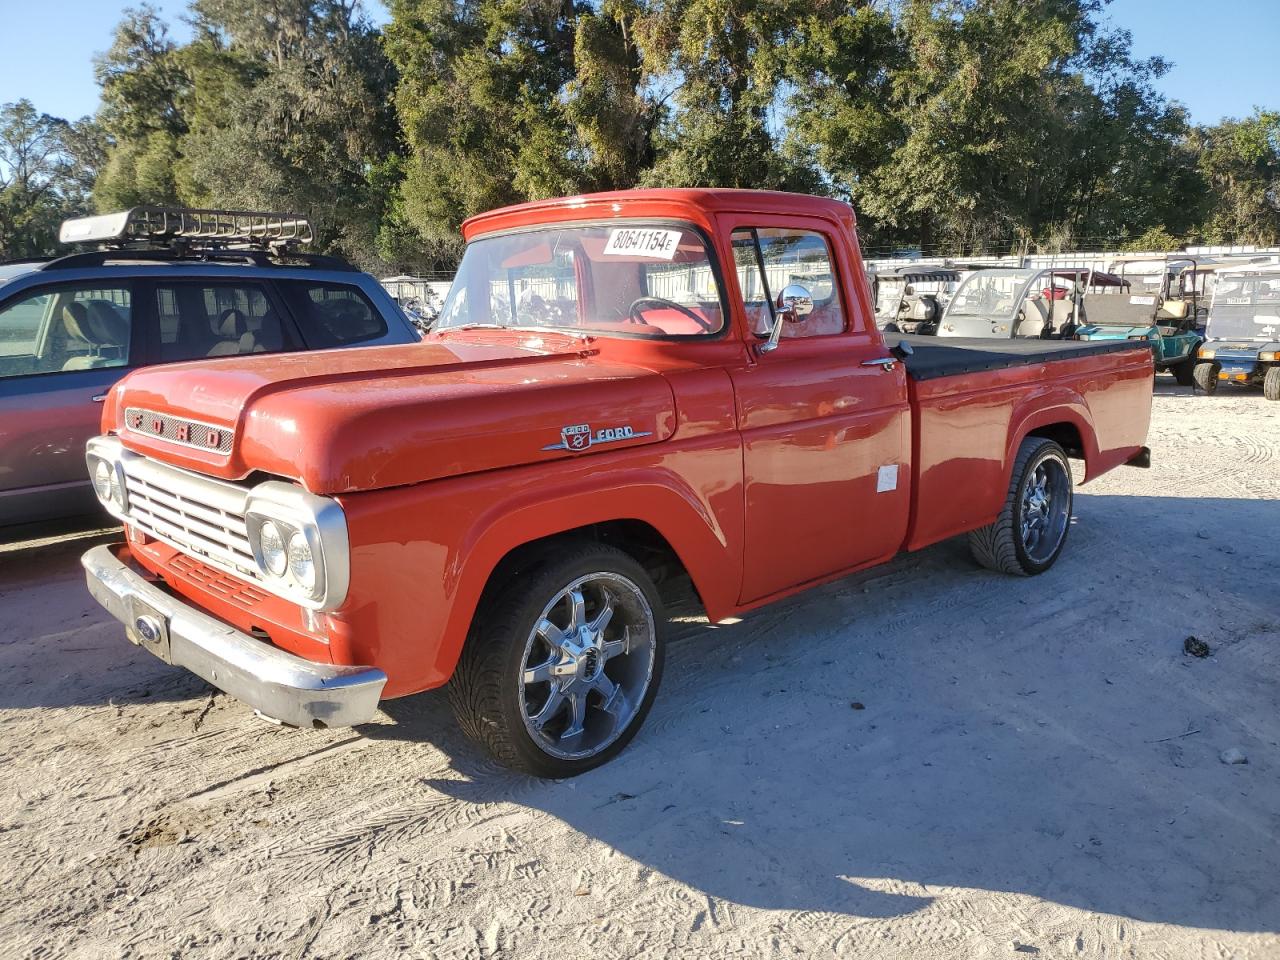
x,y
198,515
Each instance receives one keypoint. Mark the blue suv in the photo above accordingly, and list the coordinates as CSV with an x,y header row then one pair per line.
x,y
169,285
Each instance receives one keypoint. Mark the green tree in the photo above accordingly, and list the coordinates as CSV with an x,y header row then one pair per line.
x,y
38,180
145,93
841,61
482,105
724,65
1154,238
1241,161
293,113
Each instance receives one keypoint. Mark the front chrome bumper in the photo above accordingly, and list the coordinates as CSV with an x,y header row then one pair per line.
x,y
280,685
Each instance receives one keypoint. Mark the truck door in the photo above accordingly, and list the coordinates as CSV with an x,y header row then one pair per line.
x,y
826,426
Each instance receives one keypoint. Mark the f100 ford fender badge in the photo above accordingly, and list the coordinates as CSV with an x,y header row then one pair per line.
x,y
580,436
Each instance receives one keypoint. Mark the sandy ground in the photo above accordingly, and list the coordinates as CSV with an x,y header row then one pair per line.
x,y
1036,770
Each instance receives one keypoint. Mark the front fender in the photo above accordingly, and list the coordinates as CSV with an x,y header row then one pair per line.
x,y
422,556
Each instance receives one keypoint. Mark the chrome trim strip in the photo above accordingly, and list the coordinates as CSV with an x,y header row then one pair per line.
x,y
279,684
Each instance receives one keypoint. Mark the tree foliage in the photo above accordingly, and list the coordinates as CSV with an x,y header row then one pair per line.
x,y
41,182
951,125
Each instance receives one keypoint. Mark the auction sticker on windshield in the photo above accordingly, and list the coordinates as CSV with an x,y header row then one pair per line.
x,y
648,242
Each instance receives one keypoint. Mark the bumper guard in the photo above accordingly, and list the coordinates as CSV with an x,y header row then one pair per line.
x,y
274,682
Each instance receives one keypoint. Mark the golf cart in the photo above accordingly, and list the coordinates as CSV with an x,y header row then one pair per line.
x,y
910,299
1242,336
1162,311
1008,302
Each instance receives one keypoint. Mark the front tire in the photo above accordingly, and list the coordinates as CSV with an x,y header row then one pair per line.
x,y
1271,383
559,673
1184,373
1205,376
1031,530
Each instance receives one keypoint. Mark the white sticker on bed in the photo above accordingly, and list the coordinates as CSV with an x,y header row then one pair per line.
x,y
646,242
887,478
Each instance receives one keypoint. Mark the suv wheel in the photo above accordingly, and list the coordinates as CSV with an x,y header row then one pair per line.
x,y
1031,530
557,677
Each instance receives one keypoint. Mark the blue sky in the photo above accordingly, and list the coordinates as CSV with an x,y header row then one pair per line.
x,y
1226,54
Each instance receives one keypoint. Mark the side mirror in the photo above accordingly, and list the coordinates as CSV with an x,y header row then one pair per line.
x,y
794,303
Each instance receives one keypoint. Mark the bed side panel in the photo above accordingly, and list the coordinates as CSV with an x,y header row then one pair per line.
x,y
968,428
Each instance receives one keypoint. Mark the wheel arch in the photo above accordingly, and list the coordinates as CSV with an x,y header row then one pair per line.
x,y
669,531
1066,421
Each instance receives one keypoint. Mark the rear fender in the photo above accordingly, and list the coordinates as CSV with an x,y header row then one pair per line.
x,y
1053,405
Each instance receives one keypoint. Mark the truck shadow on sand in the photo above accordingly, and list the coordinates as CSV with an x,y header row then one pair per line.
x,y
1047,736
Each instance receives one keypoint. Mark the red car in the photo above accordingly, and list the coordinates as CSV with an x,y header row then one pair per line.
x,y
623,390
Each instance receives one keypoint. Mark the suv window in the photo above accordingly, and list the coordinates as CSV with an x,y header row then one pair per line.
x,y
70,327
334,314
769,259
217,319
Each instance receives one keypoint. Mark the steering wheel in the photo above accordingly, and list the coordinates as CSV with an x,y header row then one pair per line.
x,y
634,315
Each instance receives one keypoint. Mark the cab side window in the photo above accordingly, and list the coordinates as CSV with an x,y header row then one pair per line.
x,y
63,328
769,259
207,319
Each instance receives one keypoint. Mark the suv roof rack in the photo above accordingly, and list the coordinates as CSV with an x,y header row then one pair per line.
x,y
254,258
165,234
189,227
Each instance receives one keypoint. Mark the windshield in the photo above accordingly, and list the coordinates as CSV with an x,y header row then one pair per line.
x,y
1245,308
633,279
990,293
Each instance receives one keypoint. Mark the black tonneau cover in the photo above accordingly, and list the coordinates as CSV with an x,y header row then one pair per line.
x,y
946,357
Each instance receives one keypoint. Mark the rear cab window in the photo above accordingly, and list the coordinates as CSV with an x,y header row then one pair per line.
x,y
333,314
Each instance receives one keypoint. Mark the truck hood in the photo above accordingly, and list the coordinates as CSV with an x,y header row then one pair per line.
x,y
366,418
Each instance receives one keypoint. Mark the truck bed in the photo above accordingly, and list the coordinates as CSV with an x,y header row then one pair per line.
x,y
947,357
972,399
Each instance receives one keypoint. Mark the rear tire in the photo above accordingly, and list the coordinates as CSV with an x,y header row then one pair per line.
x,y
1185,372
1271,383
1205,376
531,685
1028,536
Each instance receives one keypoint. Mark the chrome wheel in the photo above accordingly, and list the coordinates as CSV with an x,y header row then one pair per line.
x,y
1046,508
587,665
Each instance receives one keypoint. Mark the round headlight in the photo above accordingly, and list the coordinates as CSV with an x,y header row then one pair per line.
x,y
275,558
301,563
104,481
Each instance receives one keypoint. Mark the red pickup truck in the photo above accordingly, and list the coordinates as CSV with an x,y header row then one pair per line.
x,y
623,391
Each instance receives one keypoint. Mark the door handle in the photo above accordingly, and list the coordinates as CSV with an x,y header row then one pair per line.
x,y
884,363
98,398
